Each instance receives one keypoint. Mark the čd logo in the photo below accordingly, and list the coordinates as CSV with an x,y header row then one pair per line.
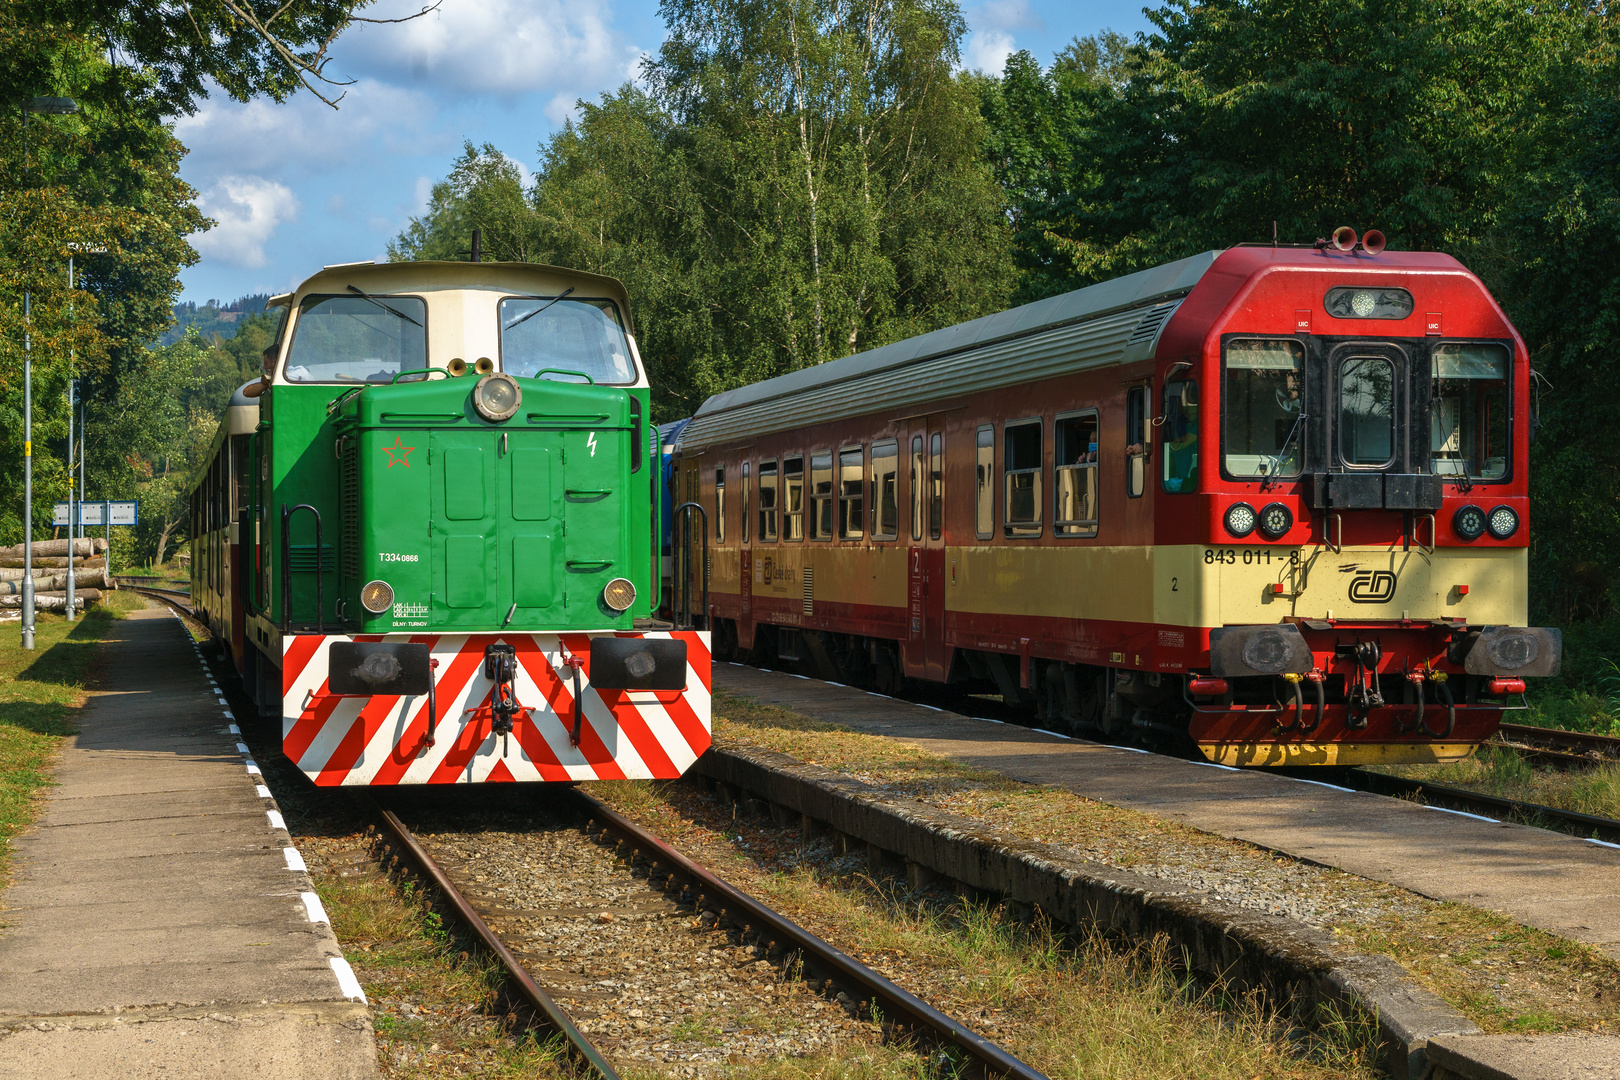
x,y
1372,587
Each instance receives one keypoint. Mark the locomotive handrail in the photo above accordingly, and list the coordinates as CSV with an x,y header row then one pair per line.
x,y
1434,534
561,371
286,569
418,371
682,527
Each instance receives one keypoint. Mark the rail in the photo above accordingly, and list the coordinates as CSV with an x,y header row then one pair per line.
x,y
1560,748
1586,826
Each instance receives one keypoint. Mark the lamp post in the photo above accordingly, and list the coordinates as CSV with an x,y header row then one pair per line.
x,y
46,106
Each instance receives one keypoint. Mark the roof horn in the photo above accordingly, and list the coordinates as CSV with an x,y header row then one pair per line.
x,y
1373,242
1344,238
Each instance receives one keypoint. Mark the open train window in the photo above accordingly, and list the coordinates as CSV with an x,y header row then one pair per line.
x,y
1469,411
885,493
793,498
767,502
851,493
720,505
821,495
1136,442
984,482
1262,407
1074,475
936,485
1180,429
1023,452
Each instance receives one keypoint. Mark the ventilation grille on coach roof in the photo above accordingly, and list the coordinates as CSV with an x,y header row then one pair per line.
x,y
1152,319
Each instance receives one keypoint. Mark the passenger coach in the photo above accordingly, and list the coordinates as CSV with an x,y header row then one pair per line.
x,y
1272,500
427,536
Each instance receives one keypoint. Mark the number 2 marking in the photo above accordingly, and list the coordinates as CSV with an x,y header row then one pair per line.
x,y
1175,585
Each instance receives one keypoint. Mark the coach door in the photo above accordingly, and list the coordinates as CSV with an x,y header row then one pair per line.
x,y
925,560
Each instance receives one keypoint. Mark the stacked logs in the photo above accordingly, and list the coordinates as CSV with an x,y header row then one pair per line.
x,y
90,575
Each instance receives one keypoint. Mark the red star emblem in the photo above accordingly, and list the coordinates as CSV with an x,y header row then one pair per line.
x,y
397,454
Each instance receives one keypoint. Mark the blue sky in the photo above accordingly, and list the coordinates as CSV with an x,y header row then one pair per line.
x,y
298,185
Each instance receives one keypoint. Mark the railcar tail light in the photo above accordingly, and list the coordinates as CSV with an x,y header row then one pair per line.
x,y
619,594
1275,521
497,397
377,597
1503,687
1469,522
1240,519
1503,522
1207,686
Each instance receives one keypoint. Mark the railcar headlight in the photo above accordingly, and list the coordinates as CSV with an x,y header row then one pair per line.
x,y
1240,519
497,397
1275,520
619,594
1503,522
377,597
1469,522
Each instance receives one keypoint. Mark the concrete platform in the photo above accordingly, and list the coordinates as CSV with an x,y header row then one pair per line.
x,y
156,924
1543,879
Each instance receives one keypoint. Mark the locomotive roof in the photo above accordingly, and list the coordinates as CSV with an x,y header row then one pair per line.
x,y
737,413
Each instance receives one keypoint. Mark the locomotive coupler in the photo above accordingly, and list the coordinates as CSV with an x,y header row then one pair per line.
x,y
500,667
1365,693
574,664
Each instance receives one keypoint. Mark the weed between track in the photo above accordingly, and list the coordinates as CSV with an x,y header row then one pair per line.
x,y
1504,772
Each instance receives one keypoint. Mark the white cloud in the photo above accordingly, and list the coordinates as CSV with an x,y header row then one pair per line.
x,y
247,209
1005,15
500,47
987,51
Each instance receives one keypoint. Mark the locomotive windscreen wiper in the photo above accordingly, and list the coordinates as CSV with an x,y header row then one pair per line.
x,y
385,307
549,301
1283,449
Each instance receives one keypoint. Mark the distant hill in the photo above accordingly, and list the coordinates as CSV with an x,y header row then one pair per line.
x,y
212,317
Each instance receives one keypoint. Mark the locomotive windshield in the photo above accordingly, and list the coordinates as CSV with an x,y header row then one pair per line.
x,y
358,338
1264,391
1469,411
564,338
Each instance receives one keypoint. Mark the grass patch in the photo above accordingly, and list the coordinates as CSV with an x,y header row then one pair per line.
x,y
1503,976
41,693
1504,772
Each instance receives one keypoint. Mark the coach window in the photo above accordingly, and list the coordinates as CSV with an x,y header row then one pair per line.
x,y
984,482
720,505
357,339
793,498
851,493
1180,429
1021,460
745,507
1074,476
1136,444
936,485
916,487
1469,425
885,493
767,502
821,495
1262,405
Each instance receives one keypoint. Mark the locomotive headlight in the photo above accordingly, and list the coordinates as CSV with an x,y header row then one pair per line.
x,y
377,597
619,594
1275,520
497,397
1469,522
1503,522
1240,519
1362,303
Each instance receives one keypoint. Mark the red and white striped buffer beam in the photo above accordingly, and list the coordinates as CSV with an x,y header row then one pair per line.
x,y
383,739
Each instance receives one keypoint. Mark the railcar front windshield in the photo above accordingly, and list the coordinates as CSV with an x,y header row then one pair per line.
x,y
1263,404
357,339
1469,411
565,338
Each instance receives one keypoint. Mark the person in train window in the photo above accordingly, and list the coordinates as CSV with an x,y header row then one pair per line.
x,y
1181,436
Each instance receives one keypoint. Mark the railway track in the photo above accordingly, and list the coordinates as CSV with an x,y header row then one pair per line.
x,y
669,891
1560,748
1491,807
174,598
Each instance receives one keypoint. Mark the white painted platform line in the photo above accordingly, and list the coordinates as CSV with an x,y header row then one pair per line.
x,y
264,792
1461,813
230,716
234,729
1600,843
253,769
885,697
837,684
1043,731
987,720
930,708
276,820
1216,765
346,980
295,861
313,907
1132,749
241,748
1320,783
222,701
806,678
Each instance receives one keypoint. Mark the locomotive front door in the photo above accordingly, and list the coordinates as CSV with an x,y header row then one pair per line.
x,y
924,655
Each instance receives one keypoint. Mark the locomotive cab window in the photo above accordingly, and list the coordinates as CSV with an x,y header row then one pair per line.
x,y
1074,476
1366,411
720,505
984,483
885,490
1180,429
1469,411
1136,444
565,338
821,495
793,498
1262,407
767,502
851,494
1021,463
357,339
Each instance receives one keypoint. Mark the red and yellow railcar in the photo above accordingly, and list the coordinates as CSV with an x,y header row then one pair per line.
x,y
1272,500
